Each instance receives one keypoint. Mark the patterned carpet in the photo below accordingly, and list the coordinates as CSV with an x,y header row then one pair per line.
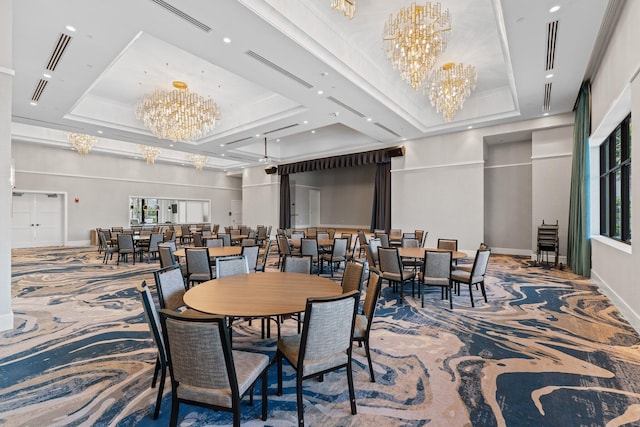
x,y
547,350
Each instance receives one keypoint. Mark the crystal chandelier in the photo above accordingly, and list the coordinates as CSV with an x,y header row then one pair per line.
x,y
150,153
199,160
81,142
347,7
178,115
414,40
450,86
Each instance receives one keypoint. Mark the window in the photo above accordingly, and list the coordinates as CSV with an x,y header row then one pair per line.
x,y
615,183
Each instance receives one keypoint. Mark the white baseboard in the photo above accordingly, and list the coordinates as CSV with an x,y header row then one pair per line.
x,y
512,251
79,243
627,312
6,321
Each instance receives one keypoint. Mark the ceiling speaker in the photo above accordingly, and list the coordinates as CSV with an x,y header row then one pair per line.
x,y
271,169
396,151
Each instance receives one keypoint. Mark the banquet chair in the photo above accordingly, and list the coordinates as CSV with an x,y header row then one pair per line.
x,y
248,242
226,238
205,371
153,321
231,265
214,242
421,235
198,265
414,263
267,250
372,265
251,254
323,346
283,249
353,277
374,244
468,267
297,264
392,270
362,242
338,254
436,271
309,247
448,244
198,241
152,248
126,248
362,328
108,249
170,286
476,275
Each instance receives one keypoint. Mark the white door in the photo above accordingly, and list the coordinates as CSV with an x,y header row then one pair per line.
x,y
314,208
37,220
236,212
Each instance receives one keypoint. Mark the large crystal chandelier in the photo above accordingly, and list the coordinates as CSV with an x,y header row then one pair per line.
x,y
450,86
347,7
178,115
81,142
150,153
414,39
199,160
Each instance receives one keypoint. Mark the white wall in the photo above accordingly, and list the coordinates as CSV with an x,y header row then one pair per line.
x,y
104,183
260,198
6,82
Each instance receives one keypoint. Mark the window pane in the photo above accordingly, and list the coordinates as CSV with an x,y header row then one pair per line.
x,y
618,146
617,193
604,206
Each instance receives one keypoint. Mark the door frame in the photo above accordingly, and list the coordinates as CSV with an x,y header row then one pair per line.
x,y
63,198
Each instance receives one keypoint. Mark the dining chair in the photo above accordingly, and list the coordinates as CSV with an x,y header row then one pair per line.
x,y
283,249
338,254
297,264
151,314
469,267
374,244
384,240
372,264
198,265
421,235
214,242
166,256
323,346
126,247
170,286
448,244
198,241
414,263
251,254
152,248
203,365
436,271
108,249
267,250
231,266
309,246
476,275
392,270
362,328
362,241
226,238
353,277
248,242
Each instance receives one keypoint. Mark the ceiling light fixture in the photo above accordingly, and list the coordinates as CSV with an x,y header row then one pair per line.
x,y
450,86
266,160
414,39
347,7
178,115
81,142
150,153
199,160
554,9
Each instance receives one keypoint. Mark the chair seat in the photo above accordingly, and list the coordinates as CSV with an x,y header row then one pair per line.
x,y
328,257
466,268
199,277
465,277
397,277
289,346
435,281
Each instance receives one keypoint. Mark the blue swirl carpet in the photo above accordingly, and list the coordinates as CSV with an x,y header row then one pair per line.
x,y
546,350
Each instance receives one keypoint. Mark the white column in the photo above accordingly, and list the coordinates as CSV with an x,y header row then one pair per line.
x,y
6,81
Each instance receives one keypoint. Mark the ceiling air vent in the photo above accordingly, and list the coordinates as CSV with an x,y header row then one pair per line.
x,y
546,105
238,140
552,34
184,16
387,129
38,92
345,106
278,68
279,129
58,50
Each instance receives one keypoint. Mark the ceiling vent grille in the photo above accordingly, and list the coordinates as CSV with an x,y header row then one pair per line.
x,y
552,34
58,50
345,106
238,140
38,92
279,69
386,128
282,128
546,106
184,16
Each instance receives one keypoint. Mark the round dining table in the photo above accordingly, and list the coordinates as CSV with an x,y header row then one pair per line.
x,y
214,251
259,294
419,252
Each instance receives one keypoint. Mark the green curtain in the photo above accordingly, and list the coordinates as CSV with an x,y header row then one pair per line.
x,y
579,244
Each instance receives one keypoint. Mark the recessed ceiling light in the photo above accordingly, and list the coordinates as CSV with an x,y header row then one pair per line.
x,y
221,145
313,131
46,76
320,92
222,154
305,122
70,28
554,8
257,135
548,76
170,145
278,140
226,40
33,103
469,127
100,132
545,114
324,74
369,119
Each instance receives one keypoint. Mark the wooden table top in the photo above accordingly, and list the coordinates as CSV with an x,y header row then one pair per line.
x,y
419,252
215,252
259,294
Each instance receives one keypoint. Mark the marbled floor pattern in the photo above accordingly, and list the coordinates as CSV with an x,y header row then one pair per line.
x,y
546,350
